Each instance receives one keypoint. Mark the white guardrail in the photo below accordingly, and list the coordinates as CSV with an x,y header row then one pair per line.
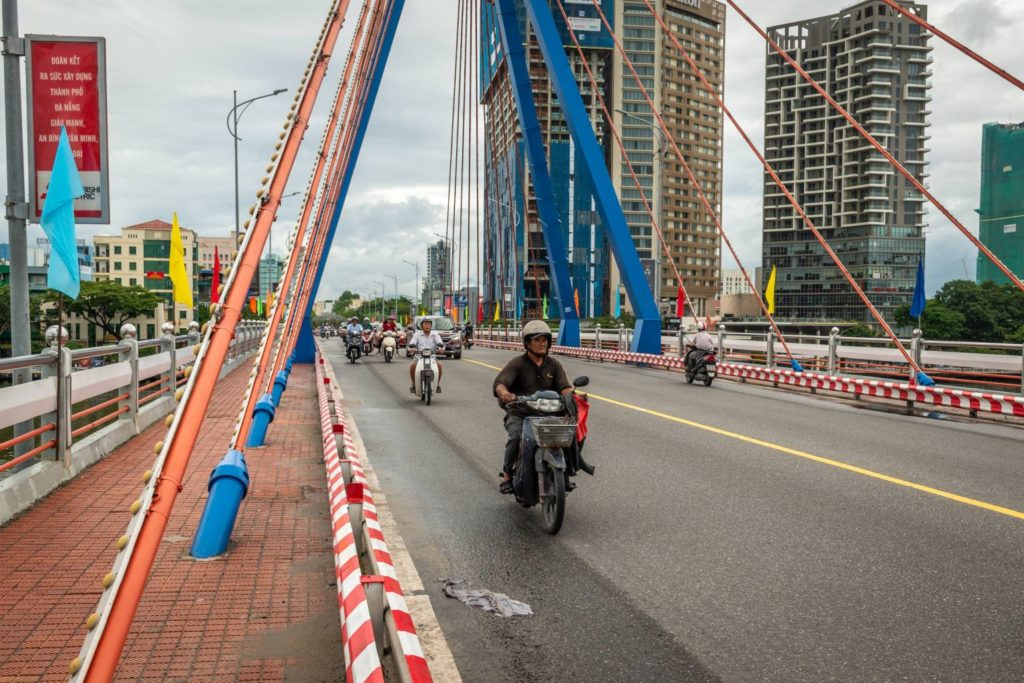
x,y
938,397
66,440
968,365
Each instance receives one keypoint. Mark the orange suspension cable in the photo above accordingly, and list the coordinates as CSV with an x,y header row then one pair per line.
x,y
122,598
629,163
881,149
782,186
955,43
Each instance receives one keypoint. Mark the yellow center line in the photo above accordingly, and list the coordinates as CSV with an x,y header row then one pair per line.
x,y
807,456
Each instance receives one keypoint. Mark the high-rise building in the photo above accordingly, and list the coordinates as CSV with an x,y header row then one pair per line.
x,y
515,255
1002,200
694,121
438,259
877,64
271,268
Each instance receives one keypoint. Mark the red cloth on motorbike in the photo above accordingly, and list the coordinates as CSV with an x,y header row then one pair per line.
x,y
582,411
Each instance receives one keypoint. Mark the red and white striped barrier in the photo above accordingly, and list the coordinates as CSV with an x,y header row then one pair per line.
x,y
999,404
411,662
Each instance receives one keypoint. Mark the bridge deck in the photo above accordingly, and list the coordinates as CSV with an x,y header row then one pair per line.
x,y
268,612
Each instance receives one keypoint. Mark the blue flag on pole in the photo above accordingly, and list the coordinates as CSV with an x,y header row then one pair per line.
x,y
917,305
58,220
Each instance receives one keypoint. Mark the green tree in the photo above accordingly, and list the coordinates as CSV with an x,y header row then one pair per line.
x,y
34,315
343,304
108,304
964,310
859,330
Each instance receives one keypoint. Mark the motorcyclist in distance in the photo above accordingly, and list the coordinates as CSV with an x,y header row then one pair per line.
x,y
390,325
353,326
425,338
702,342
534,371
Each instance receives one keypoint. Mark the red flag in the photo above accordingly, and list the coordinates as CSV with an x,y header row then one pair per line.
x,y
576,300
480,312
680,299
252,304
707,322
214,294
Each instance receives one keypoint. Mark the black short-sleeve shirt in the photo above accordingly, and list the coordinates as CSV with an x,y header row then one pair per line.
x,y
522,376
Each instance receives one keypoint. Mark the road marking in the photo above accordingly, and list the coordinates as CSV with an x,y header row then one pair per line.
x,y
1009,512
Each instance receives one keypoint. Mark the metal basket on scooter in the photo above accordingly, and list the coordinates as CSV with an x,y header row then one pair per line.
x,y
554,432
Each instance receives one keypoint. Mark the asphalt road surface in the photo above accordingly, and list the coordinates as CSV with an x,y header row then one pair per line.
x,y
731,533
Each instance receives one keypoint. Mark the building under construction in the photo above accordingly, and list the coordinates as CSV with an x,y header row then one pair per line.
x,y
1002,200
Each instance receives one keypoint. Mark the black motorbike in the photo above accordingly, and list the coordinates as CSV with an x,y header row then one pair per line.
x,y
550,451
353,347
704,369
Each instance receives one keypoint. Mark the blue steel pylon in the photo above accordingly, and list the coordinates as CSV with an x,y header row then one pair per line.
x,y
647,338
304,347
551,224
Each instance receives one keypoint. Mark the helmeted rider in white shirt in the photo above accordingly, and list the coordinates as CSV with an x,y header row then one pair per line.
x,y
701,342
425,338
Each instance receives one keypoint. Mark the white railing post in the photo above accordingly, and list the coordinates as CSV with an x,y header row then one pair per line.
x,y
132,357
915,353
833,351
679,340
597,336
622,334
169,343
769,358
721,342
60,370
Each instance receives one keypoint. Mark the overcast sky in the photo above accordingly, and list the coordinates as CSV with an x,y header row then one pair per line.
x,y
172,67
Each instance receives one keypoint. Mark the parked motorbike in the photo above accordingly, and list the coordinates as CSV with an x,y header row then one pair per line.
x,y
353,347
425,375
367,342
389,345
705,368
550,451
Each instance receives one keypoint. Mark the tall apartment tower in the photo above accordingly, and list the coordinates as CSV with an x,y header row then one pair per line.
x,y
1002,200
694,121
437,276
877,64
515,256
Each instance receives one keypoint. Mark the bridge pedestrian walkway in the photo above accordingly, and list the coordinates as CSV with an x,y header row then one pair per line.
x,y
266,611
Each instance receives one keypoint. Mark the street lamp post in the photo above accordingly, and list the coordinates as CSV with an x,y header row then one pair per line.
x,y
416,286
395,279
232,124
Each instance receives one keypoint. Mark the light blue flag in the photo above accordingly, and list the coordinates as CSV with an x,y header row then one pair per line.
x,y
618,306
58,220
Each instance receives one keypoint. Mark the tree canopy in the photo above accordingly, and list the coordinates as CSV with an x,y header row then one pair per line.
x,y
109,304
965,311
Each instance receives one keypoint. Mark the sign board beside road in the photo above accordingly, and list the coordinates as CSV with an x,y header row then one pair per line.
x,y
66,86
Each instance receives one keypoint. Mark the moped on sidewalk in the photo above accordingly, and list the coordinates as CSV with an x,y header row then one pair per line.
x,y
550,451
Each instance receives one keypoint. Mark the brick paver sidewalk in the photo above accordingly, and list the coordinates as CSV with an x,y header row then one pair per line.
x,y
265,611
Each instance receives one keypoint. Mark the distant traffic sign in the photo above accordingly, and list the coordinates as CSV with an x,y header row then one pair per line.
x,y
67,86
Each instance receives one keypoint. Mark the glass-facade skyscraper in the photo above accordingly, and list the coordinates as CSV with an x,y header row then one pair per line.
x,y
876,64
1002,200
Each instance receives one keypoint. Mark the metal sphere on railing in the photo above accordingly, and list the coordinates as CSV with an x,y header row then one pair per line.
x,y
166,328
193,327
834,331
128,331
917,332
51,335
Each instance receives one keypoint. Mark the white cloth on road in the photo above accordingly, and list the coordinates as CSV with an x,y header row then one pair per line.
x,y
489,601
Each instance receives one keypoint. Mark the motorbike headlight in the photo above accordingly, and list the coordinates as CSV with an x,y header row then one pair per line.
x,y
546,405
426,353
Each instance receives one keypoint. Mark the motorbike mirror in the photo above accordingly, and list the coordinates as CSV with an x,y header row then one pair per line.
x,y
581,381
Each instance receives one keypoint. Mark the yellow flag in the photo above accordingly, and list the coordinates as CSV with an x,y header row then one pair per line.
x,y
497,311
270,301
179,276
769,293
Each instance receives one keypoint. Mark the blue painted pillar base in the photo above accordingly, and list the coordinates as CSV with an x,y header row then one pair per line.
x,y
305,348
569,332
262,416
291,361
229,482
280,384
647,336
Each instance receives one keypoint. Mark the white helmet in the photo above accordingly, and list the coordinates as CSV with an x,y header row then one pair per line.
x,y
701,326
535,328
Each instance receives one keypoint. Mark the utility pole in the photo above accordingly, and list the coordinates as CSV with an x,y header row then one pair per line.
x,y
16,208
416,286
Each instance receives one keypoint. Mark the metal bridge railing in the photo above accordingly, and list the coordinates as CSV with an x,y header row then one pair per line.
x,y
107,394
969,365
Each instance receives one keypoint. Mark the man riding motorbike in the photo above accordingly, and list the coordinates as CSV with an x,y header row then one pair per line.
x,y
425,338
353,326
534,371
467,334
700,344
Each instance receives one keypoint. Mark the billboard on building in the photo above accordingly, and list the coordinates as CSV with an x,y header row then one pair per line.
x,y
66,86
